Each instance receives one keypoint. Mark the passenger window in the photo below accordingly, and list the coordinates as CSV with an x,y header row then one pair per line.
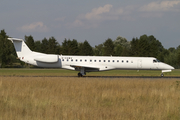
x,y
85,60
67,59
94,60
122,61
108,60
104,60
80,60
99,60
127,61
62,59
76,60
113,60
90,60
117,60
71,59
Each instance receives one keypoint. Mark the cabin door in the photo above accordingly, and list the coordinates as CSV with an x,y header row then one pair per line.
x,y
139,63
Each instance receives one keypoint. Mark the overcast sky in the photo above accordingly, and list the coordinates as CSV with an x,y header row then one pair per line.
x,y
92,20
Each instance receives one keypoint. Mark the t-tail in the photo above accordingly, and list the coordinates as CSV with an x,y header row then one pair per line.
x,y
31,57
21,48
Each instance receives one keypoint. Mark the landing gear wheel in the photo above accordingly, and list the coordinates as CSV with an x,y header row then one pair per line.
x,y
162,75
79,75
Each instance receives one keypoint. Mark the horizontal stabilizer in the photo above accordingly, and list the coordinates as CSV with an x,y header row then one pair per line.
x,y
15,39
47,58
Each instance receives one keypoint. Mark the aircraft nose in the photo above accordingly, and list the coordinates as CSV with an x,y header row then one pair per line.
x,y
170,67
167,67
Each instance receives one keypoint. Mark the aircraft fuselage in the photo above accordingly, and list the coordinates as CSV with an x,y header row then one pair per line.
x,y
86,63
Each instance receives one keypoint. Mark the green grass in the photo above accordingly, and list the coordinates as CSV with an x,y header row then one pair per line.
x,y
62,72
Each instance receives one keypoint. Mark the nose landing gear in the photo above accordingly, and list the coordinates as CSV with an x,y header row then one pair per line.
x,y
162,75
163,71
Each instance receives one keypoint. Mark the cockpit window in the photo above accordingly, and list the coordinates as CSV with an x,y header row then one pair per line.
x,y
155,61
158,60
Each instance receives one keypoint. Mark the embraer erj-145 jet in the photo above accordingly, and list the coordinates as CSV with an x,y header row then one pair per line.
x,y
86,63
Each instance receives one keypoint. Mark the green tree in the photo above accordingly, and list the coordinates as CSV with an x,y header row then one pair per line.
x,y
171,58
156,48
108,47
98,50
73,48
70,47
37,45
7,54
144,46
64,47
30,42
134,47
53,46
118,49
1,51
85,48
122,41
44,46
178,59
147,46
121,46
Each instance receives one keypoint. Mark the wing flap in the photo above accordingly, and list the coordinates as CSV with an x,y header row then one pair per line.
x,y
90,68
84,66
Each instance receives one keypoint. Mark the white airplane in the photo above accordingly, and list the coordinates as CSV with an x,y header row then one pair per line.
x,y
86,63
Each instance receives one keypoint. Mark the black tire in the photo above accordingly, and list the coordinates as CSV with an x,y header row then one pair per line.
x,y
79,75
162,75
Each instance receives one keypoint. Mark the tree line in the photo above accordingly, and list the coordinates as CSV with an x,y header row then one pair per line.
x,y
144,46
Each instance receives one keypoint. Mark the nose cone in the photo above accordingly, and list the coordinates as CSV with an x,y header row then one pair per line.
x,y
165,66
172,68
169,67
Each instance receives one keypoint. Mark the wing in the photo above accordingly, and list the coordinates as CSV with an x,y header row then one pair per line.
x,y
88,68
92,68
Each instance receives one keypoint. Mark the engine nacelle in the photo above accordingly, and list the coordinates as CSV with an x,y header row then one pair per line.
x,y
47,58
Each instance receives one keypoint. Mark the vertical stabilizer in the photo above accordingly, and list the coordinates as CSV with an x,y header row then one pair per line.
x,y
21,48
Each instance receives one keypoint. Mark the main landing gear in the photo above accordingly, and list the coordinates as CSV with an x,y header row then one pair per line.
x,y
82,72
79,74
163,71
